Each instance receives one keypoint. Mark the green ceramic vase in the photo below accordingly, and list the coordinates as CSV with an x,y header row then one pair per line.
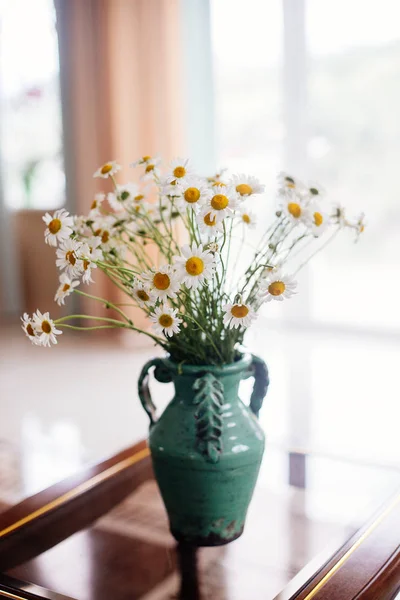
x,y
206,447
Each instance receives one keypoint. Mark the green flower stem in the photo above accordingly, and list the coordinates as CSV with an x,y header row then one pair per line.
x,y
106,303
327,242
115,323
77,328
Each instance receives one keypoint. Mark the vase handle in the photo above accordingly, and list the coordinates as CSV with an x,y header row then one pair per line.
x,y
161,374
261,383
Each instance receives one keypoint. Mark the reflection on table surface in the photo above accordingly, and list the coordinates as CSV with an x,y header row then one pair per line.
x,y
130,553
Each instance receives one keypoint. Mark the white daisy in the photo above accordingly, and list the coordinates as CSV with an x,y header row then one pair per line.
x,y
162,281
192,193
360,225
142,293
104,229
287,183
123,197
146,160
317,220
195,265
248,218
65,288
180,171
277,286
59,226
88,253
212,247
28,327
67,257
246,185
165,320
96,205
218,179
314,190
107,170
45,329
80,227
222,202
151,166
238,315
293,206
208,225
338,217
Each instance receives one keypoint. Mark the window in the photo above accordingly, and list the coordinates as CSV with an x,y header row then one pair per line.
x,y
314,87
30,118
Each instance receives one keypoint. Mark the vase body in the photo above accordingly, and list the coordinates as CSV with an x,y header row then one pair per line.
x,y
207,447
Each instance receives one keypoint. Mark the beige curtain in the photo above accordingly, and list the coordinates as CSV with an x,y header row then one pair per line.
x,y
121,68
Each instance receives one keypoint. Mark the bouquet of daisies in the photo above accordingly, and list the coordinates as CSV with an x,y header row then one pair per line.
x,y
174,246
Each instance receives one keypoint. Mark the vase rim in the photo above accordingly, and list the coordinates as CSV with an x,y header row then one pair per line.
x,y
227,369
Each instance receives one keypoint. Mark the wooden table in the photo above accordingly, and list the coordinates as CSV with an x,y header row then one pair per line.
x,y
103,534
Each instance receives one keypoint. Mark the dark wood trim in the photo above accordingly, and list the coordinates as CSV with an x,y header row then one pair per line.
x,y
14,589
45,519
367,567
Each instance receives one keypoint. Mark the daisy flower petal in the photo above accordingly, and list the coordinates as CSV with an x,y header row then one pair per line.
x,y
195,266
246,185
107,170
238,315
45,329
165,321
65,288
162,281
28,327
277,286
59,227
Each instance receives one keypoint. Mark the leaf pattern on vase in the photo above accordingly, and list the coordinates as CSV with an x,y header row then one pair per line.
x,y
209,397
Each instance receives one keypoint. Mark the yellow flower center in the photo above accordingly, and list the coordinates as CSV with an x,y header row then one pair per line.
x,y
192,195
106,168
208,220
179,172
194,266
66,287
55,226
219,202
46,327
29,330
165,320
146,158
161,281
142,295
246,219
291,185
294,209
318,219
244,189
86,264
70,257
276,288
105,236
219,184
94,205
138,198
239,311
361,228
149,168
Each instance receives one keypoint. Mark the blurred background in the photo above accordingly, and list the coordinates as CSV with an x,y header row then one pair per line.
x,y
307,86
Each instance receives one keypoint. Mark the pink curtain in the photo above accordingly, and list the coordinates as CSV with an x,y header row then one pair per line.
x,y
121,69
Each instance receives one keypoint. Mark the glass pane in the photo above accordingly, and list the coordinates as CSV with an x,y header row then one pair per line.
x,y
247,40
354,150
30,132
